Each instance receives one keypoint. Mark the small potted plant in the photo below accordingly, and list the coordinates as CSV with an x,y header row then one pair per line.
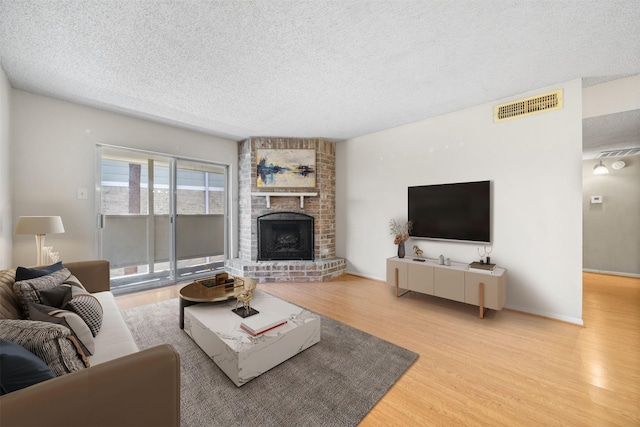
x,y
400,231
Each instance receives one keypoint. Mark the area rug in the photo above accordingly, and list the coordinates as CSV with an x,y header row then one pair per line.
x,y
333,383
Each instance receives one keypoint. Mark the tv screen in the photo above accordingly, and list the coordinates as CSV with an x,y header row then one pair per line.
x,y
460,211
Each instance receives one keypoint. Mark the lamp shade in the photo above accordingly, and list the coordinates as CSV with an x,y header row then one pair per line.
x,y
39,225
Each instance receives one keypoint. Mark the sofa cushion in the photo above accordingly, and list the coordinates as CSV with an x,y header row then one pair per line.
x,y
115,339
19,368
71,320
27,290
52,343
24,273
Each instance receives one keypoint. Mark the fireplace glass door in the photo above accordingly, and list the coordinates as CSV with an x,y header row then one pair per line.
x,y
285,236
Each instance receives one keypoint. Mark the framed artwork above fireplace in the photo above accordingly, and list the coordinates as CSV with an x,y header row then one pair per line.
x,y
286,168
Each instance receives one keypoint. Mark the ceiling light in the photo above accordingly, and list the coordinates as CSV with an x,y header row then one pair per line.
x,y
600,169
618,165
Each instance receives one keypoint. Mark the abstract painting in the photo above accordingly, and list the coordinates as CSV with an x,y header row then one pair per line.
x,y
286,168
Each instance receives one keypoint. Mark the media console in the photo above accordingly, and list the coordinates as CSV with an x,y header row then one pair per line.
x,y
455,282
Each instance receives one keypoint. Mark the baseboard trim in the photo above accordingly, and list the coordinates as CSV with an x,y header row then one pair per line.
x,y
551,316
612,273
364,276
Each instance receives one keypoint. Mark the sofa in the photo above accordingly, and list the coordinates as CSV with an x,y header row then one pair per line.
x,y
121,386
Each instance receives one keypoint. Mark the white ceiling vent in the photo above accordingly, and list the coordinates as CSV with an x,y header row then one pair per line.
x,y
526,107
619,153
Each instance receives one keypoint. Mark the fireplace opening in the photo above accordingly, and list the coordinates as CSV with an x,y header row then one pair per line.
x,y
285,236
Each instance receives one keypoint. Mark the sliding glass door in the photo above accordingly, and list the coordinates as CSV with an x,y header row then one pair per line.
x,y
200,217
161,219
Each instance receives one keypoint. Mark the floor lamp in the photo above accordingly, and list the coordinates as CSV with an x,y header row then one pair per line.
x,y
40,226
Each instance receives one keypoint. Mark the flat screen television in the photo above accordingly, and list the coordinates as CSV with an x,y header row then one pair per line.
x,y
459,212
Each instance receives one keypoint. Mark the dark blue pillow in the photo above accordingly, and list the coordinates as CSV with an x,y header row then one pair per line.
x,y
19,368
23,273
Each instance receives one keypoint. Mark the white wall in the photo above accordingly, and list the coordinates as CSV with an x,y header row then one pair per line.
x,y
54,154
5,173
611,242
611,97
536,169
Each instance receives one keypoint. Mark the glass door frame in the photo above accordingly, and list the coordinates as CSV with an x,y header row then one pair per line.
x,y
173,162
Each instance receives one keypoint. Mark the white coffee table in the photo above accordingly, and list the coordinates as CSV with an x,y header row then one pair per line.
x,y
216,330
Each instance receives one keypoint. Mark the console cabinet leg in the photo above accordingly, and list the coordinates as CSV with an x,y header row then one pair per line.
x,y
481,299
398,294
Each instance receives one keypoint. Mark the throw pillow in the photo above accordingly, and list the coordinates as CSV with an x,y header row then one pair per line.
x,y
71,320
55,297
52,343
72,296
27,290
19,368
24,273
73,281
60,295
10,308
89,309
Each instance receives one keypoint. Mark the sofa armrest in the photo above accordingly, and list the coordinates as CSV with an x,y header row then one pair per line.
x,y
94,275
141,389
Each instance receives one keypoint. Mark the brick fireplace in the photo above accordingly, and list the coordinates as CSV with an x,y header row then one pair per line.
x,y
318,204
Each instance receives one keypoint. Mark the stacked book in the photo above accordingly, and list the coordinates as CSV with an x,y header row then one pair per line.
x,y
260,323
482,267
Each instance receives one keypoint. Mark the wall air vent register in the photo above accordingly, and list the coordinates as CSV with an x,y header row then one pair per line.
x,y
526,107
619,153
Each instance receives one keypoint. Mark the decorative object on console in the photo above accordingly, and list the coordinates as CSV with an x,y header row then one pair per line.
x,y
245,297
485,252
401,234
447,261
401,251
418,253
441,260
481,266
39,226
286,168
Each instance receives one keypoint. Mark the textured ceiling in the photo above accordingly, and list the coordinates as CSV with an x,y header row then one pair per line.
x,y
333,69
610,132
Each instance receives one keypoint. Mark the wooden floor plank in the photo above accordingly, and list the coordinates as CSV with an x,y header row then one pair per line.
x,y
509,368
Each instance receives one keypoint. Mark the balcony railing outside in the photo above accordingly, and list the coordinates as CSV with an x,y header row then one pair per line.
x,y
138,248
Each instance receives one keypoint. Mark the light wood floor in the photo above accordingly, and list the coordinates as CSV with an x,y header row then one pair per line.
x,y
509,368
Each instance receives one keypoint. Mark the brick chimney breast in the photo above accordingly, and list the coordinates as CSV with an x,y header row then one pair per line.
x,y
321,207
